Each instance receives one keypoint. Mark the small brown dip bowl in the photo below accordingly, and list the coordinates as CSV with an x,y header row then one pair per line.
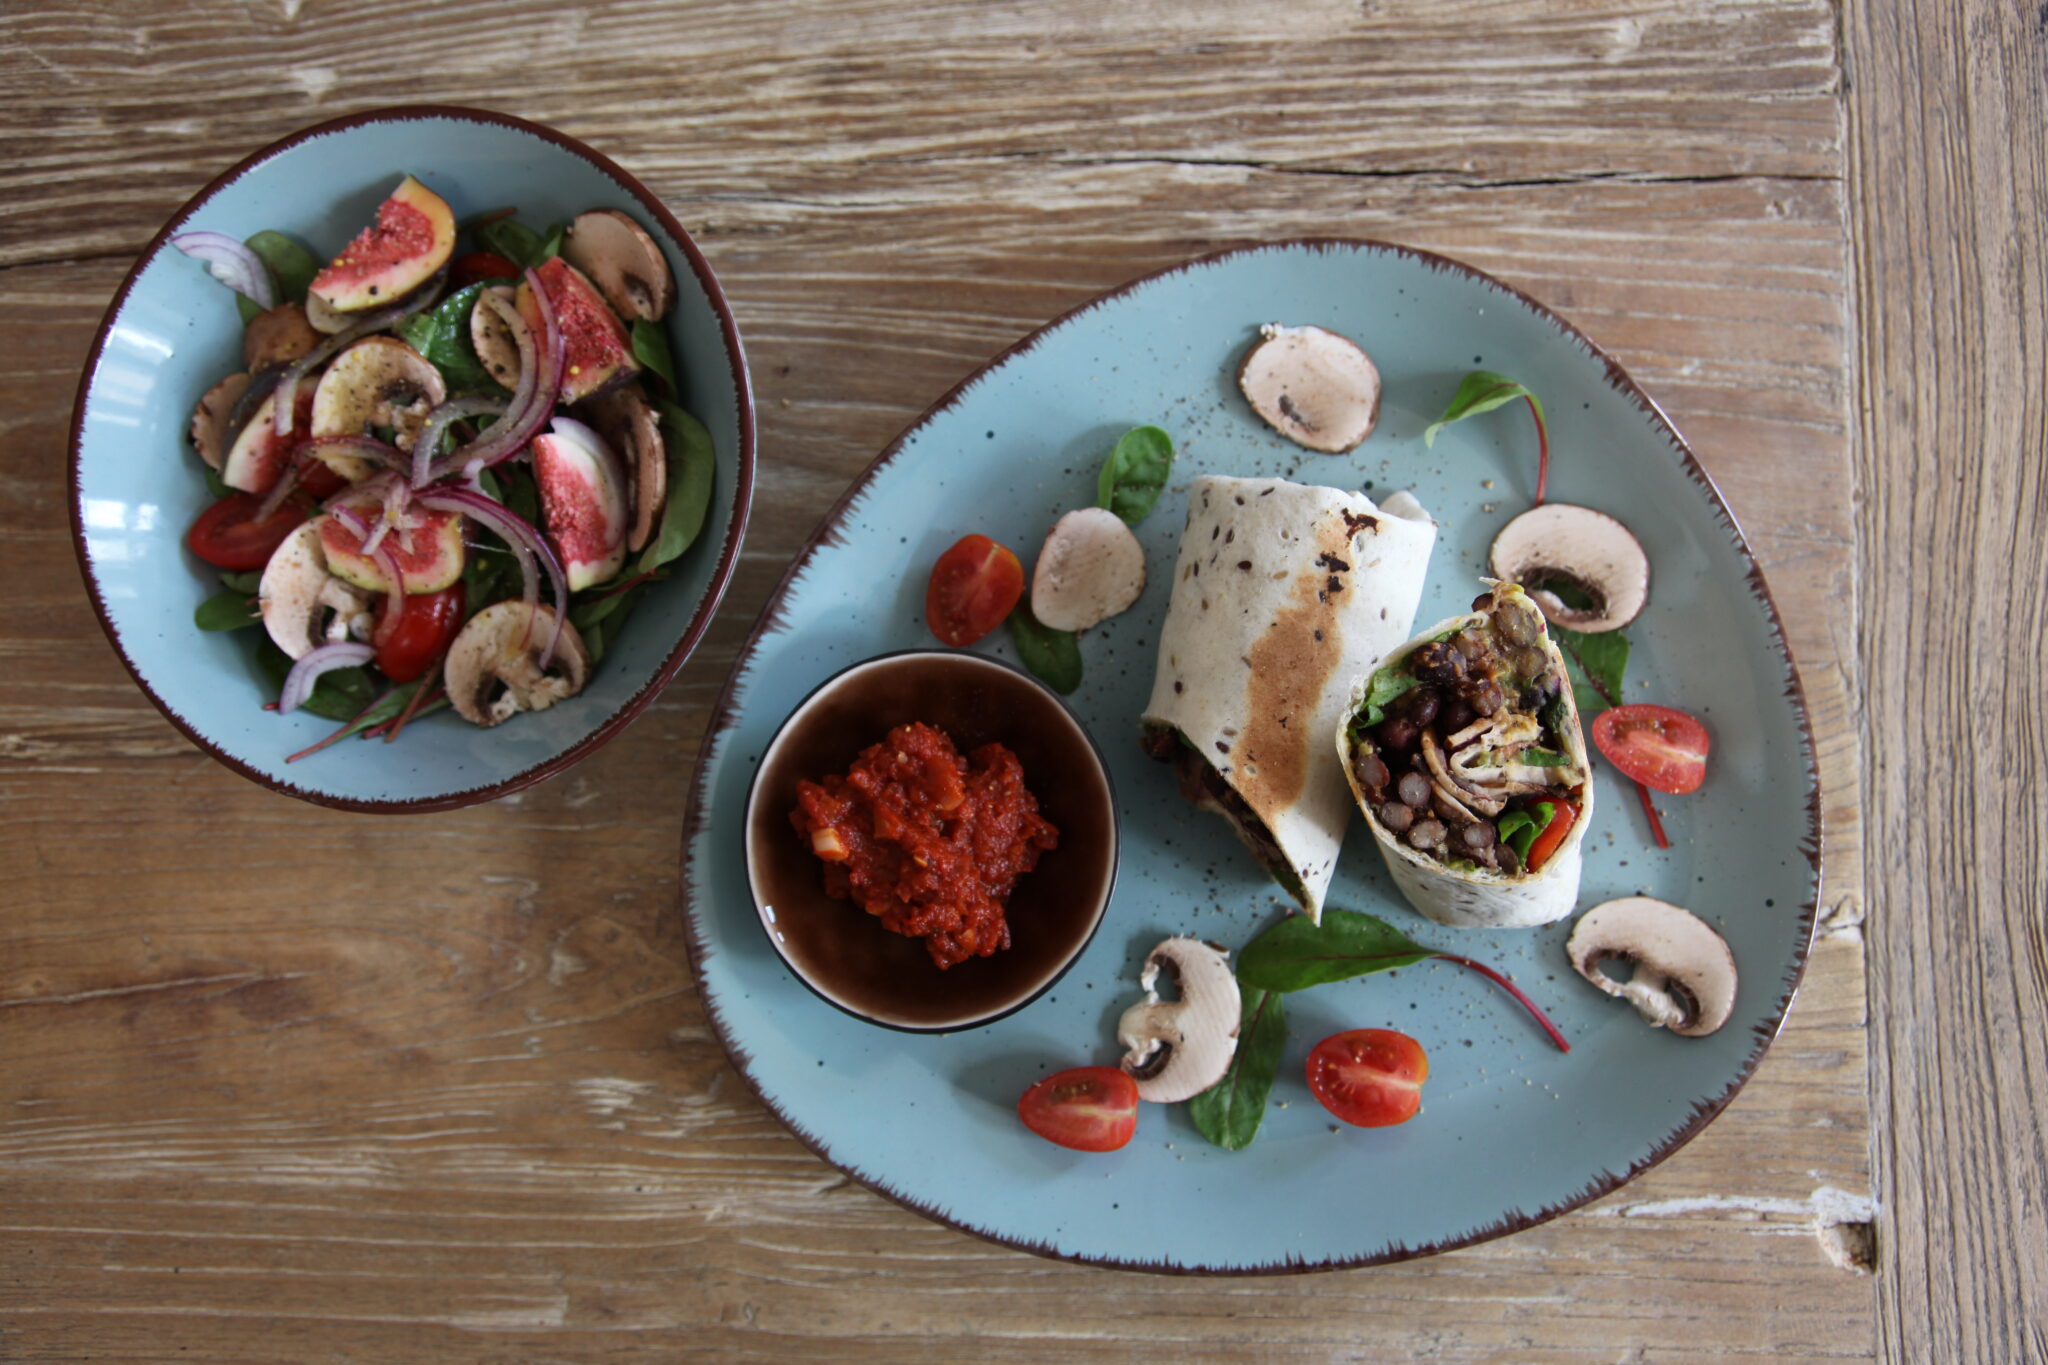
x,y
844,954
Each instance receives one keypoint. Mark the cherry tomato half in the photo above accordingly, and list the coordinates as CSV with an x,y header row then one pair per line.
x,y
1369,1077
1663,749
227,538
1563,816
478,266
1088,1108
974,586
429,625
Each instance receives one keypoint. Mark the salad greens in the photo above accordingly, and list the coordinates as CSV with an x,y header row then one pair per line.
x,y
1054,655
1229,1112
1483,391
441,334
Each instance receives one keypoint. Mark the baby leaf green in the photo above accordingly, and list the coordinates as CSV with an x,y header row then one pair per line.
x,y
1053,655
441,334
650,348
291,265
1599,660
1135,473
1229,1112
226,610
512,239
1482,391
1295,954
1384,687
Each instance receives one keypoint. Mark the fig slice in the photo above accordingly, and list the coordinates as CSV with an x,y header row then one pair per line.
x,y
600,356
622,261
378,382
413,237
210,418
1559,543
493,670
1315,387
258,457
626,421
1090,568
583,500
426,543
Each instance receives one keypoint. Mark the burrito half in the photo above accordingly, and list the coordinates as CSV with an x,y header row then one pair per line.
x,y
1464,751
1282,595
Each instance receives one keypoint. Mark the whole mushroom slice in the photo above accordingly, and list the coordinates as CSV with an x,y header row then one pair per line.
x,y
493,670
490,333
1684,977
277,337
303,604
1176,1049
1317,388
378,382
626,420
1559,543
1090,568
623,262
212,418
323,317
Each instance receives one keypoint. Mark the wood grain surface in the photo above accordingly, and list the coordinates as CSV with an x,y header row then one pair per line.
x,y
281,1084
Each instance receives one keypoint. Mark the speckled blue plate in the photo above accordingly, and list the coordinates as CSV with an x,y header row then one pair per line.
x,y
1511,1131
172,332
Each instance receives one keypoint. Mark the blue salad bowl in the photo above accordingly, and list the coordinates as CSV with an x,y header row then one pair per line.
x,y
172,332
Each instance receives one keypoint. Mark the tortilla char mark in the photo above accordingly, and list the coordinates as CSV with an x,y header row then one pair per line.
x,y
1291,665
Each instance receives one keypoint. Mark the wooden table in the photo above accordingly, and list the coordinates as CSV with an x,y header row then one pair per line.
x,y
280,1084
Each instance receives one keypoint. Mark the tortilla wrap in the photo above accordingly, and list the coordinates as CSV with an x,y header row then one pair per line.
x,y
1473,897
1283,593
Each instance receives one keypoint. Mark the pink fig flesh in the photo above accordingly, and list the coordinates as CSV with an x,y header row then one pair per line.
x,y
600,355
583,499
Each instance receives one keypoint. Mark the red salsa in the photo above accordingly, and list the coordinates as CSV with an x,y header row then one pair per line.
x,y
928,842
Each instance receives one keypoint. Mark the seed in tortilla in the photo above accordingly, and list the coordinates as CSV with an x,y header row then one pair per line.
x,y
1090,568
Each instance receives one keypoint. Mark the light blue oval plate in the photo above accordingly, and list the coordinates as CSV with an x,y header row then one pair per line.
x,y
1511,1131
172,332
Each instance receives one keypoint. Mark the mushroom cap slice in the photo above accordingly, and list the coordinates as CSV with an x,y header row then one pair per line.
x,y
378,382
490,333
623,262
627,422
493,670
1090,568
1559,542
303,604
1684,976
324,318
1176,1049
1315,387
277,337
211,419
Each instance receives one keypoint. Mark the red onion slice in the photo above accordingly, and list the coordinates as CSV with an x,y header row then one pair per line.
x,y
288,383
362,447
232,263
279,491
541,360
298,684
437,424
527,543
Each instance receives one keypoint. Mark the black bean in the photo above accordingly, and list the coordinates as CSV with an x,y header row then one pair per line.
x,y
1483,602
1419,704
1487,698
1372,772
1414,789
1477,836
1397,733
1397,817
1437,662
1528,661
1470,645
1427,835
1520,623
1456,715
1509,863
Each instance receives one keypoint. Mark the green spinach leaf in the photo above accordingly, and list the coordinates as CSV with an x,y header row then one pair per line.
x,y
551,245
691,466
1053,655
248,584
1519,828
291,265
512,239
650,348
1482,391
1229,1112
441,334
1597,663
226,610
1135,473
1295,954
1384,687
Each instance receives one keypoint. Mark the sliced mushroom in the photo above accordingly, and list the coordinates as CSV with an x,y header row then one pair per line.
x,y
1684,977
491,334
1090,568
323,318
628,424
622,261
1176,1049
304,605
212,420
1313,386
277,337
1589,551
493,670
378,382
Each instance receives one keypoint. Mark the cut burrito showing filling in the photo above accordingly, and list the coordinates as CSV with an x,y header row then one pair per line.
x,y
1464,751
1282,595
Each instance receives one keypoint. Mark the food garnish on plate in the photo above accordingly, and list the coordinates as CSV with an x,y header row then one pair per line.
x,y
1283,593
